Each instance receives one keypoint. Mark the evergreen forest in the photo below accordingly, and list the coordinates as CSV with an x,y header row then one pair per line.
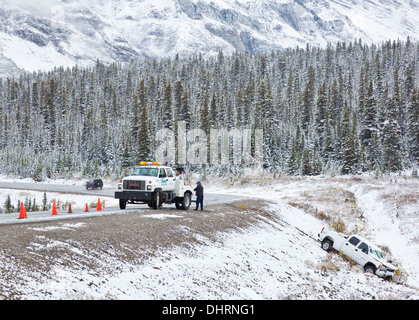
x,y
347,108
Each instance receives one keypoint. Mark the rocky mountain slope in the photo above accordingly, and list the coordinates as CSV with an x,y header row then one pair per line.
x,y
54,33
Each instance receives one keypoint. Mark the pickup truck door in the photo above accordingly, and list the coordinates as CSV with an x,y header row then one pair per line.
x,y
362,253
349,248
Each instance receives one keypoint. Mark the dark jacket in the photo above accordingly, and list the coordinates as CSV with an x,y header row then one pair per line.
x,y
199,190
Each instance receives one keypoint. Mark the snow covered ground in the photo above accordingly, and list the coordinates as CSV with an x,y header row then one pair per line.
x,y
278,258
384,210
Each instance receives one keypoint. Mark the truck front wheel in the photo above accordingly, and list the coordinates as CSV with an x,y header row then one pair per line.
x,y
369,268
326,245
156,199
122,204
179,203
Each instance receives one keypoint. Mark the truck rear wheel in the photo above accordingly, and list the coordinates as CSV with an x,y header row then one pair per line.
x,y
186,202
326,245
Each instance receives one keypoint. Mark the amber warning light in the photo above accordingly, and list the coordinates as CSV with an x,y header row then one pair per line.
x,y
145,163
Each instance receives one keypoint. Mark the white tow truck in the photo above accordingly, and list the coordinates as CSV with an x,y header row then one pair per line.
x,y
154,184
370,257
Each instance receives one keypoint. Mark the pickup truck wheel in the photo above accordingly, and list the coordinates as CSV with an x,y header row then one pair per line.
x,y
326,245
186,202
122,204
369,268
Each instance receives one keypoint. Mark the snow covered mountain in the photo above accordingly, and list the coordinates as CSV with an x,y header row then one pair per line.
x,y
48,33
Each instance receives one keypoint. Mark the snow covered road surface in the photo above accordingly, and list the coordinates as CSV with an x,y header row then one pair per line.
x,y
79,196
60,188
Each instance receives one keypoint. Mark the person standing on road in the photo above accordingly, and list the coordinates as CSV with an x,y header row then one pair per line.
x,y
199,196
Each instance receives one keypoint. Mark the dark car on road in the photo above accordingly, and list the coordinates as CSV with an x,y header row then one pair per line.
x,y
94,184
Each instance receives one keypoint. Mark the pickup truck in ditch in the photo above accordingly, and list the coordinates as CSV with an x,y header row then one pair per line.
x,y
370,257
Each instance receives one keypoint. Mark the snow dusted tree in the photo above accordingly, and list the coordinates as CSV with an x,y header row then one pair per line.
x,y
167,112
144,145
350,143
413,127
392,157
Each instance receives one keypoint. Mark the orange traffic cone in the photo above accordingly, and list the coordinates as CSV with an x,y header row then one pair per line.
x,y
54,209
22,213
99,207
87,208
69,208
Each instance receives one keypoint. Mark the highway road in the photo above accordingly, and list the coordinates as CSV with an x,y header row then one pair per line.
x,y
61,188
11,218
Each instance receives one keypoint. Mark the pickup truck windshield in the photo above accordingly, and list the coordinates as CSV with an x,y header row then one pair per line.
x,y
378,253
150,172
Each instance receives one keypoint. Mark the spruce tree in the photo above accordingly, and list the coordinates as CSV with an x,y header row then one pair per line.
x,y
350,143
167,112
392,160
144,146
413,128
8,207
320,115
45,205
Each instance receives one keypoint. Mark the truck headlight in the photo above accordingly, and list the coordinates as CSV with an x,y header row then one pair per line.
x,y
149,187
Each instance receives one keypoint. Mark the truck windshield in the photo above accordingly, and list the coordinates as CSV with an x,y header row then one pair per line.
x,y
150,172
378,253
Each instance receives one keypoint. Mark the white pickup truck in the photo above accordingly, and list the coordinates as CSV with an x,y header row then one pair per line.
x,y
361,251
